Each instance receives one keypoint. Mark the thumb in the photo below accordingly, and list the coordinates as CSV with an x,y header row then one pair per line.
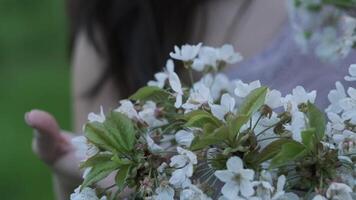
x,y
49,144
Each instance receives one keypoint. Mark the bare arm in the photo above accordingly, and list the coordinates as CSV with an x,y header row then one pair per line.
x,y
52,145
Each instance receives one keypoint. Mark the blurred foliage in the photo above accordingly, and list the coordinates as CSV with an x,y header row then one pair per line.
x,y
34,73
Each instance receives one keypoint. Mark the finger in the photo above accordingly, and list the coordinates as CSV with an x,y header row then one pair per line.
x,y
49,144
44,123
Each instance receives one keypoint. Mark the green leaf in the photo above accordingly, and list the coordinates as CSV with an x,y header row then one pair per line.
x,y
122,130
249,158
290,151
235,125
308,138
253,101
96,160
121,176
316,120
271,150
230,150
150,93
209,128
121,161
200,119
97,134
203,141
190,115
99,172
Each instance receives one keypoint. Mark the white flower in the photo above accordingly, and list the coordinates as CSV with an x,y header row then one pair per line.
x,y
184,137
193,193
273,99
291,103
186,52
297,125
279,193
218,83
161,78
85,194
339,191
173,81
152,146
184,158
319,197
208,58
199,95
263,189
337,122
227,54
164,193
337,127
352,72
334,97
298,96
92,117
227,105
84,148
184,167
243,89
127,108
148,115
349,105
237,179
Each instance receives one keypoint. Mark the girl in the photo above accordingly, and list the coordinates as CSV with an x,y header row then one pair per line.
x,y
118,45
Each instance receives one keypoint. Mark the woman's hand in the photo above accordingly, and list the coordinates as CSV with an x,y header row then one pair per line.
x,y
54,147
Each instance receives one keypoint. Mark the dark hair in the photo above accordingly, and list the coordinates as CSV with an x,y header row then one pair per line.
x,y
137,35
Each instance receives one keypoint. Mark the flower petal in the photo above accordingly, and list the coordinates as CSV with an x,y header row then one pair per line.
x,y
218,111
246,188
228,102
248,174
230,190
224,175
234,164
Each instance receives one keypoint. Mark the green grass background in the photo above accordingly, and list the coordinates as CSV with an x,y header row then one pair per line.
x,y
34,73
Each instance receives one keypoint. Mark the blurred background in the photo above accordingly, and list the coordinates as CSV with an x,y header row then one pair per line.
x,y
34,73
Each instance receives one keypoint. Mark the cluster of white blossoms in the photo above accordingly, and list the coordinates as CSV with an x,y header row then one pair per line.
x,y
204,58
221,139
342,117
321,24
